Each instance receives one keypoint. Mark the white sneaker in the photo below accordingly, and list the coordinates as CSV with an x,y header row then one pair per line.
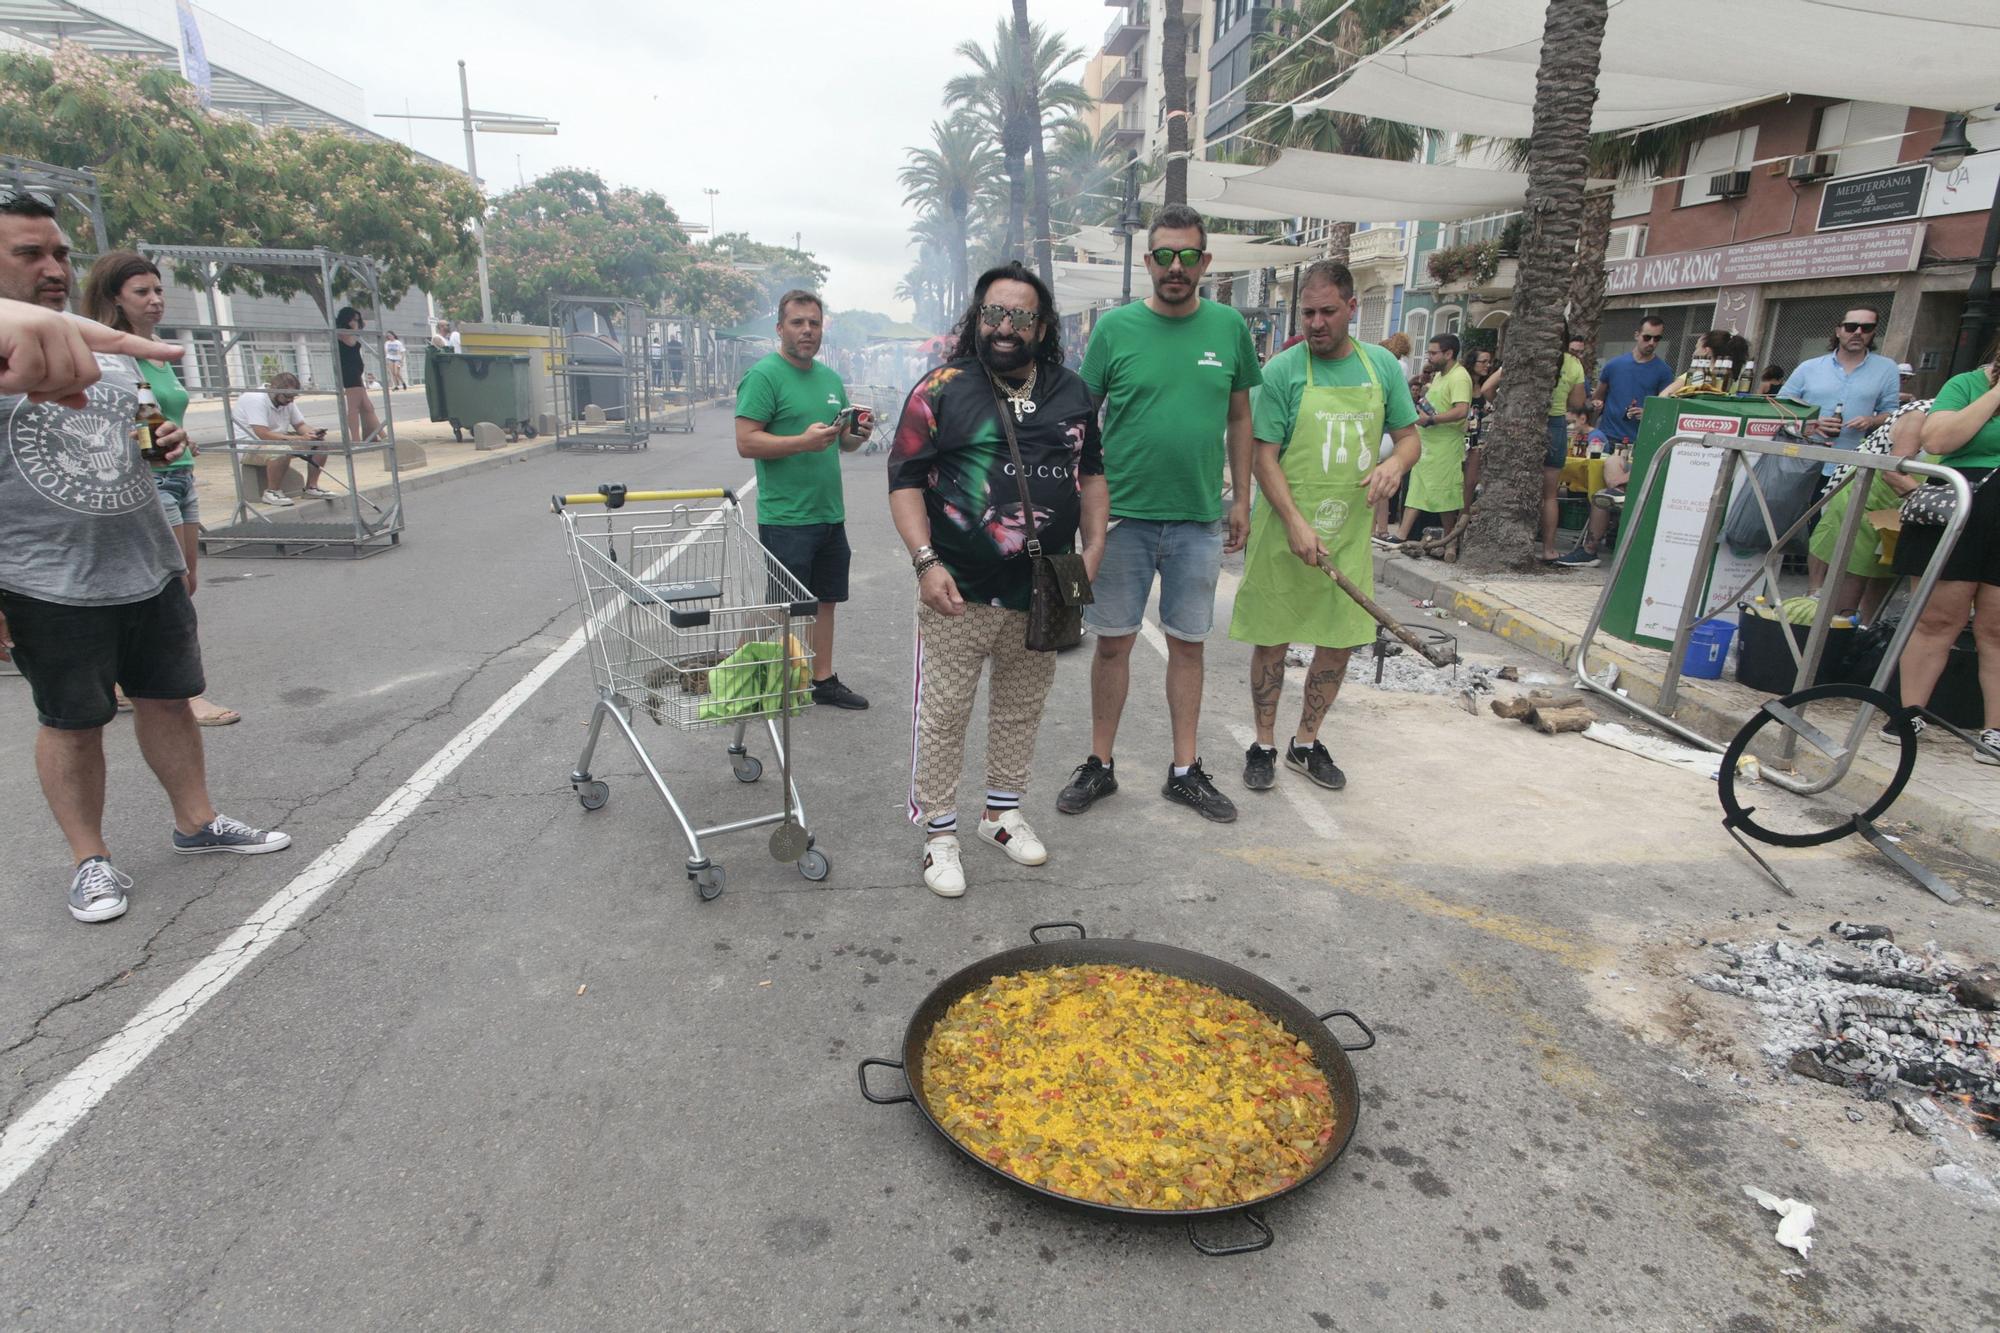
x,y
278,499
942,873
1011,834
315,493
1990,738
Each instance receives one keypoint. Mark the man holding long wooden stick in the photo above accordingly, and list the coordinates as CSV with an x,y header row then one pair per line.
x,y
1325,403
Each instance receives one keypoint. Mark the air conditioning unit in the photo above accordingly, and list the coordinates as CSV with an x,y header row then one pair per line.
x,y
1812,167
1729,185
1625,243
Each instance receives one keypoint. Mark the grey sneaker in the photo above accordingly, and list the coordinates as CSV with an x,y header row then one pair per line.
x,y
1092,781
224,834
1580,557
1316,764
1989,742
97,893
1195,790
1260,767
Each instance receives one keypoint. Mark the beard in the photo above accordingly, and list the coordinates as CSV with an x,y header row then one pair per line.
x,y
1003,361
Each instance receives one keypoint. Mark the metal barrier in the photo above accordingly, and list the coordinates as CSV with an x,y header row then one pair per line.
x,y
600,372
668,338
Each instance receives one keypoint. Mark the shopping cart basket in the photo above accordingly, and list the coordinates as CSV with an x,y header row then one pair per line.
x,y
691,622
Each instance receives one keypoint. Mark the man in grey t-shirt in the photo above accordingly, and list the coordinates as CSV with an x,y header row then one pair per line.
x,y
91,595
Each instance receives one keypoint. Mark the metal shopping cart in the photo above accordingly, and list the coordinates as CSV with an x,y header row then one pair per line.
x,y
691,622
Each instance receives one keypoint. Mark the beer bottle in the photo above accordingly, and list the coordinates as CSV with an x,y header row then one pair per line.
x,y
1725,374
150,419
1746,381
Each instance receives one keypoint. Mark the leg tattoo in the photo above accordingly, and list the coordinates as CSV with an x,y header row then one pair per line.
x,y
1322,686
1267,682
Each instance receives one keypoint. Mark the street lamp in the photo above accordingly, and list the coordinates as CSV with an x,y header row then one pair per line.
x,y
1128,222
1948,155
485,122
711,212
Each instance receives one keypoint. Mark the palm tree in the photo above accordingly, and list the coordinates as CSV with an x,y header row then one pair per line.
x,y
1015,98
1029,110
945,180
1173,70
1558,164
1366,27
1083,184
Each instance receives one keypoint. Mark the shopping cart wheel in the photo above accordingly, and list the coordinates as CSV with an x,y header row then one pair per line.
x,y
814,865
748,767
708,882
593,794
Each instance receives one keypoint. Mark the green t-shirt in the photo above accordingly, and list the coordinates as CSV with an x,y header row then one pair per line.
x,y
801,488
1446,392
172,397
1166,385
1285,381
1571,376
1960,392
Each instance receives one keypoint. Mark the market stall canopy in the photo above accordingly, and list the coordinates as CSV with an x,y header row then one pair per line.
x,y
1473,70
1304,183
1233,251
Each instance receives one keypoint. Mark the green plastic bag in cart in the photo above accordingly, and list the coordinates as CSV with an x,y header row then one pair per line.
x,y
747,682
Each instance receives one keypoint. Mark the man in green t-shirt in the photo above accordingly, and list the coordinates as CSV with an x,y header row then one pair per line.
x,y
1173,373
785,410
1437,482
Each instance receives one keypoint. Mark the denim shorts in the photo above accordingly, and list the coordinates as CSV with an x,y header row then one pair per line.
x,y
1558,442
72,655
177,496
816,553
1188,558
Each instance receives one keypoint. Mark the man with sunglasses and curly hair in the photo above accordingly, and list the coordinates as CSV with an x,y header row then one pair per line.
x,y
1174,374
1853,381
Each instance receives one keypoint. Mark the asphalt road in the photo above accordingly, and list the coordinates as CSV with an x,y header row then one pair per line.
x,y
508,1072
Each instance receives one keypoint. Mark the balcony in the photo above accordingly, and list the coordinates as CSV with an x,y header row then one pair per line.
x,y
1127,131
1127,32
1378,247
1124,80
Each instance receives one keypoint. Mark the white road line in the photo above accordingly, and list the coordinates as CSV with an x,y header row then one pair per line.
x,y
59,1110
1316,816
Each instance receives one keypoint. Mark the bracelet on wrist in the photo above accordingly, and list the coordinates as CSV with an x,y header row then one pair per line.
x,y
927,564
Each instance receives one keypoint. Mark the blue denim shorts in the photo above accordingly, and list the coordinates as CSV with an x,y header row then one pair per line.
x,y
1558,442
177,495
1188,558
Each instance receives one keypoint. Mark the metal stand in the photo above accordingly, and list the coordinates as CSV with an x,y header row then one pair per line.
x,y
232,358
59,187
668,338
601,373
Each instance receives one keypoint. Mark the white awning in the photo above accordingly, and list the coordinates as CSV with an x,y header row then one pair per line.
x,y
1232,251
1303,183
1473,71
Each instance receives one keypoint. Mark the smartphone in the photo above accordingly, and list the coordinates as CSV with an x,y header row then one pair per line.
x,y
845,422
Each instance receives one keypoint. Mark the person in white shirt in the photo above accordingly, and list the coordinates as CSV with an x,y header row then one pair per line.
x,y
447,337
273,414
392,358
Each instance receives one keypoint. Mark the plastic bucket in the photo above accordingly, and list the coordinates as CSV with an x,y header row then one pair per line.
x,y
1708,648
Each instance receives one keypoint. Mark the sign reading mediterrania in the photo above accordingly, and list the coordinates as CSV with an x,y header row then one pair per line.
x,y
1783,259
1881,196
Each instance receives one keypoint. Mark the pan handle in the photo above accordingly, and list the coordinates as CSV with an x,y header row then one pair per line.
x,y
1355,1019
1035,932
862,1071
1262,1242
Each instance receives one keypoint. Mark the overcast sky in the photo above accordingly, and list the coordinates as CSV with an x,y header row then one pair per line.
x,y
797,111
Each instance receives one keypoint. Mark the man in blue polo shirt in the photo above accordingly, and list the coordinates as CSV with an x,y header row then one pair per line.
x,y
1852,381
1623,386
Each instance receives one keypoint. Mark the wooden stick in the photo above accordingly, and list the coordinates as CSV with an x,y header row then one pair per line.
x,y
1437,657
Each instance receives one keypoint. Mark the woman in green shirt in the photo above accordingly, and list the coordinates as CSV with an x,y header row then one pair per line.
x,y
124,290
1962,432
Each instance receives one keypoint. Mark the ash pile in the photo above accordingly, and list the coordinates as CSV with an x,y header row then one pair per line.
x,y
1854,1010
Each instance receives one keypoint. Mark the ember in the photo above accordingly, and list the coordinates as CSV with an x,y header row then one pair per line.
x,y
1859,1012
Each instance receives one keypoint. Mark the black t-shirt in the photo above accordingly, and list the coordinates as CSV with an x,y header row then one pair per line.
x,y
350,365
950,445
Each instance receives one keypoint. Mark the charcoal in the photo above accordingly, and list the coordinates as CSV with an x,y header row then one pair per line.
x,y
1809,1064
1977,992
1919,1115
1872,976
1851,931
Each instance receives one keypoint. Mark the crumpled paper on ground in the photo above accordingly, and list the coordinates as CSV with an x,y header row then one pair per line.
x,y
1795,1219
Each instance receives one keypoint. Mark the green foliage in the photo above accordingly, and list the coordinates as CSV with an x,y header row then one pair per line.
x,y
1365,27
1474,262
172,173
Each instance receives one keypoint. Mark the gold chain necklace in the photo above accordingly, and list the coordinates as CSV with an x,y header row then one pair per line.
x,y
1021,399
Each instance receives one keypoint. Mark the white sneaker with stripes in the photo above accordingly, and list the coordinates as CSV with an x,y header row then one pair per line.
x,y
942,873
1011,834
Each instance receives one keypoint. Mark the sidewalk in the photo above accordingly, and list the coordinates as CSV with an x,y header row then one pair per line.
x,y
1950,795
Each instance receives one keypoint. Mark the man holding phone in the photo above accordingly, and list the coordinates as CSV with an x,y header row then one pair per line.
x,y
790,412
273,414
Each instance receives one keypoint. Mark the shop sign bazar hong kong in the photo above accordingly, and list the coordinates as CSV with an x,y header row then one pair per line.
x,y
1784,259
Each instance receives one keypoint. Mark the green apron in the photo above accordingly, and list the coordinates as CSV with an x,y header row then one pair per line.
x,y
1335,441
1437,482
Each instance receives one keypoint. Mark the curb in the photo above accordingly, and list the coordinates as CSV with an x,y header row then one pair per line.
x,y
1960,823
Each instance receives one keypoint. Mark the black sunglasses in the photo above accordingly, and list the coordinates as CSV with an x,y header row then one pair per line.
x,y
991,315
1165,257
1651,337
1849,326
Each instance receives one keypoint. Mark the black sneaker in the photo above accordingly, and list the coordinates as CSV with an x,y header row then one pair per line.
x,y
1092,781
1888,732
1260,767
830,693
1316,764
1193,789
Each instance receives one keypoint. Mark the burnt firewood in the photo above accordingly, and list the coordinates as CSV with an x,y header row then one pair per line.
x,y
1848,930
1872,976
1977,992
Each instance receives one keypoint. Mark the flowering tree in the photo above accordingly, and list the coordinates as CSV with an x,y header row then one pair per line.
x,y
174,173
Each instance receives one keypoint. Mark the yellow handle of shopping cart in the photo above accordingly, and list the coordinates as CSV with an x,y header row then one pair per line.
x,y
613,496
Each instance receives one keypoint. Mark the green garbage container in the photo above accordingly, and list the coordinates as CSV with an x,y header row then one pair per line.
x,y
468,387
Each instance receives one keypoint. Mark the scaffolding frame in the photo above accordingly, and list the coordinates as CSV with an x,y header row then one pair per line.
x,y
355,524
578,322
673,375
57,186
